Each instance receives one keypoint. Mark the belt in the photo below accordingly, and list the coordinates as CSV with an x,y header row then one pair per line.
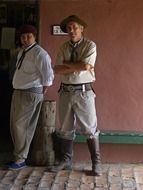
x,y
38,90
74,87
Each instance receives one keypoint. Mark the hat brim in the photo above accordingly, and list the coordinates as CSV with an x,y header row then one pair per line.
x,y
73,18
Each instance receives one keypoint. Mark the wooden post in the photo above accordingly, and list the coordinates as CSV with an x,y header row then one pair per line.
x,y
42,152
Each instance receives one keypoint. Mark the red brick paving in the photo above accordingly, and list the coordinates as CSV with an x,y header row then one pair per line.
x,y
115,177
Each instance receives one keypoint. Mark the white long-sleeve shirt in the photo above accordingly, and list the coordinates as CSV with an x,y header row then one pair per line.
x,y
35,71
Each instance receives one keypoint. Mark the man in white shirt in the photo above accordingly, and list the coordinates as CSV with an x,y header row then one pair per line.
x,y
31,80
75,63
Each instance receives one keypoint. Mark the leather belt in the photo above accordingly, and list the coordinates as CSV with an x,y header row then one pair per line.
x,y
74,87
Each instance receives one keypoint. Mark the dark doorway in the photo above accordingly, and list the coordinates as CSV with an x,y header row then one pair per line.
x,y
13,14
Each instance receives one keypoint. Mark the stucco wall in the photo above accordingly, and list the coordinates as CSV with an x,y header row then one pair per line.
x,y
116,27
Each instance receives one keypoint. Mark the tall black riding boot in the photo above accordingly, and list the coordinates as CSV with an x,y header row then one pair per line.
x,y
93,146
66,156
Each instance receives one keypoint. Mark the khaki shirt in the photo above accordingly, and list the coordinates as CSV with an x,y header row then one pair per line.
x,y
86,51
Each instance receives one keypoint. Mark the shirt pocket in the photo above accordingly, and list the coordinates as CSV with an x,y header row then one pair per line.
x,y
29,67
87,95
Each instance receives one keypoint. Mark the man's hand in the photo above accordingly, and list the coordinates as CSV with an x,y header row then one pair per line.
x,y
45,92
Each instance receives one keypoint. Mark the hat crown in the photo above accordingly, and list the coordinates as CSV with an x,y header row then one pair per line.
x,y
73,16
28,29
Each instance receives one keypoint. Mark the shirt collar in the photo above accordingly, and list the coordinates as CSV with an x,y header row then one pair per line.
x,y
25,49
77,43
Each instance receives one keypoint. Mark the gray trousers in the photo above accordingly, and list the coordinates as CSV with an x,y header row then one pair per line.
x,y
77,109
25,110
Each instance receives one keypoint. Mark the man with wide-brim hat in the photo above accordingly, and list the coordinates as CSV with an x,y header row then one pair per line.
x,y
75,63
72,18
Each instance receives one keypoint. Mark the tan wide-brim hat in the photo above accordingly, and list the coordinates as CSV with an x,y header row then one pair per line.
x,y
71,18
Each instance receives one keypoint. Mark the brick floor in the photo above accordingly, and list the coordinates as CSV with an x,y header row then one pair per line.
x,y
115,177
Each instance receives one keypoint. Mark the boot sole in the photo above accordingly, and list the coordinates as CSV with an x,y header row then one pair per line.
x,y
54,169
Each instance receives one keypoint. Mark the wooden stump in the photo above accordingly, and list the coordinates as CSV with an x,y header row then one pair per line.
x,y
42,152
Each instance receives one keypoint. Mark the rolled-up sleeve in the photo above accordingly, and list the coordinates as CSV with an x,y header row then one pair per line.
x,y
46,70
